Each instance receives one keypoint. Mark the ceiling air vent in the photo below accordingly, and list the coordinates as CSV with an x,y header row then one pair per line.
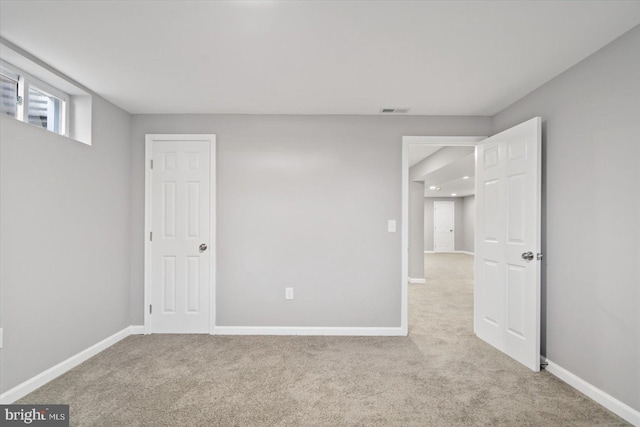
x,y
394,110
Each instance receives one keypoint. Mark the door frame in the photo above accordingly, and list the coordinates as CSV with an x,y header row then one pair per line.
x,y
148,179
453,210
404,247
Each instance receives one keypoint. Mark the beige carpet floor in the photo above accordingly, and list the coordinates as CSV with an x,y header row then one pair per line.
x,y
440,375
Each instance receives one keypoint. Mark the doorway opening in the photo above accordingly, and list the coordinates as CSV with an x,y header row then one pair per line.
x,y
428,177
506,283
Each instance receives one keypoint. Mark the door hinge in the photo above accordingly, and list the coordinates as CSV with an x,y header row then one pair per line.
x,y
151,236
150,309
151,163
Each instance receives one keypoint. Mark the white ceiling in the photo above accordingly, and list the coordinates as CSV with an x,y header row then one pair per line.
x,y
450,179
419,152
314,57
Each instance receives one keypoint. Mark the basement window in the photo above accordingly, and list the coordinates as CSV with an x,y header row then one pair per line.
x,y
33,101
8,93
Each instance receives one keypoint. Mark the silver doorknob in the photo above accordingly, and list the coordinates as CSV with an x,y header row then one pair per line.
x,y
203,247
528,256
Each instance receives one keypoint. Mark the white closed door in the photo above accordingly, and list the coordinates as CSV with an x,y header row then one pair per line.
x,y
180,243
443,227
507,265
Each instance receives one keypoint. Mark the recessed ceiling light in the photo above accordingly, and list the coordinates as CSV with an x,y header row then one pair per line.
x,y
438,188
433,187
465,177
453,194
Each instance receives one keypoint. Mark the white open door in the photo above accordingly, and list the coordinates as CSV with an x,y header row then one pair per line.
x,y
507,252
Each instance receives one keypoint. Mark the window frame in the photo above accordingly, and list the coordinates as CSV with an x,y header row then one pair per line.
x,y
6,72
25,82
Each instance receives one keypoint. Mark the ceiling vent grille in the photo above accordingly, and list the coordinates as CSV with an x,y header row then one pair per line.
x,y
394,110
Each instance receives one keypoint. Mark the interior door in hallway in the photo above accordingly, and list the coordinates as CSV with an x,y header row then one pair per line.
x,y
180,242
507,260
443,227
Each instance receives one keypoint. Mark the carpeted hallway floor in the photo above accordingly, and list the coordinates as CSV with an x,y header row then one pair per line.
x,y
440,375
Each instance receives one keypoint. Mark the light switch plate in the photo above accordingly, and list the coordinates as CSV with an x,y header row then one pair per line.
x,y
288,293
391,226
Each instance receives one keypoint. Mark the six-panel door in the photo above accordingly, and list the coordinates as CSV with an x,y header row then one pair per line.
x,y
507,286
180,225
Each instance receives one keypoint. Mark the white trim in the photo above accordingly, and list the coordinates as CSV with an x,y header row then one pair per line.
x,y
148,148
404,246
44,377
213,233
414,280
137,329
447,141
611,403
464,252
308,331
429,252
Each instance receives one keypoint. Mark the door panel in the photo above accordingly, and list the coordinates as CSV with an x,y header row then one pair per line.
x,y
180,216
507,287
443,227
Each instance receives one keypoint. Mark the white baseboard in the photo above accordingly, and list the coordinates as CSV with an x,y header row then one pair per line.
x,y
137,330
309,331
611,403
44,377
414,280
449,252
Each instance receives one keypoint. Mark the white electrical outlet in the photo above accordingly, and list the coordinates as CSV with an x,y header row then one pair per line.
x,y
288,293
391,226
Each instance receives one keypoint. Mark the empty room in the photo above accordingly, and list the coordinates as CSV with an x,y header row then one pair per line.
x,y
299,213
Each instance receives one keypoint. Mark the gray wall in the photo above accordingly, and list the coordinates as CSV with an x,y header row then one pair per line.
x,y
303,201
458,212
65,241
469,223
591,164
